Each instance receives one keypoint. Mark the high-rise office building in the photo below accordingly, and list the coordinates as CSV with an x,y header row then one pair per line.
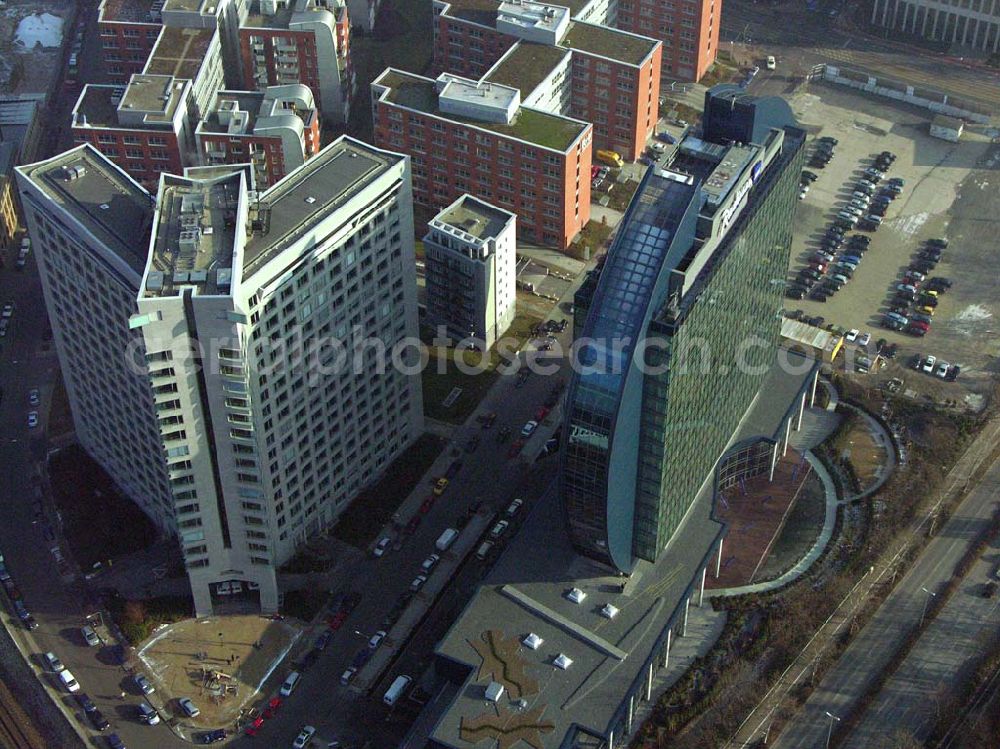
x,y
693,282
287,297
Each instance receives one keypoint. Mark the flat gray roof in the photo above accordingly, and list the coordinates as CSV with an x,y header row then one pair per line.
x,y
195,235
310,193
526,593
109,204
475,217
248,101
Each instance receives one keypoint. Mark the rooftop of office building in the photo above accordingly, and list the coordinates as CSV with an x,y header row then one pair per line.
x,y
484,12
470,218
153,98
195,239
607,637
282,17
227,102
131,11
525,66
530,125
309,194
191,6
607,42
180,52
100,196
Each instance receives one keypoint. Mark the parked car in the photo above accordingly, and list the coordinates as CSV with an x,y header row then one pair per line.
x,y
430,562
499,529
90,637
143,683
440,485
382,546
304,737
188,707
212,737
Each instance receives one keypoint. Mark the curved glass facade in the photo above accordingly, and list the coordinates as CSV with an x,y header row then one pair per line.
x,y
641,442
605,395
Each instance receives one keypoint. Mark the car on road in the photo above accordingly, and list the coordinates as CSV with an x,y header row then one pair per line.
x,y
143,683
376,639
53,662
32,419
440,486
430,562
188,707
212,737
345,678
147,714
90,637
304,737
33,397
382,546
418,583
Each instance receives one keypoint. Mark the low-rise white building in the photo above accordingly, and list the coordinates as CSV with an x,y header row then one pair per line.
x,y
471,259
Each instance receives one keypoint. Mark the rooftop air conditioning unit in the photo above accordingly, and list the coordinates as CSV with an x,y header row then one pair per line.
x,y
609,611
532,641
562,661
494,691
576,595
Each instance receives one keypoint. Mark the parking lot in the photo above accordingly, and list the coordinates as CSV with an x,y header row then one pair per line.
x,y
949,191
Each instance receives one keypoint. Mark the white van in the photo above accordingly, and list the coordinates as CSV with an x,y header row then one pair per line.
x,y
394,692
67,680
290,683
446,540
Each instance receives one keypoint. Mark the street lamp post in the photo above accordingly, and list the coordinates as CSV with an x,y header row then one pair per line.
x,y
923,611
829,731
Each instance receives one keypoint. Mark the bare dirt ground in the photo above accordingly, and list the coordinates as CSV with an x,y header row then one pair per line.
x,y
30,71
951,191
177,658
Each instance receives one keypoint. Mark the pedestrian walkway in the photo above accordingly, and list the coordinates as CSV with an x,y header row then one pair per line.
x,y
817,425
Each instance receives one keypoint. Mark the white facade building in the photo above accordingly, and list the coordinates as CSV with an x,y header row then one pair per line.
x,y
267,441
471,259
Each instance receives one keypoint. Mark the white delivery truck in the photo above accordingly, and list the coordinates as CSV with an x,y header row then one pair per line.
x,y
446,540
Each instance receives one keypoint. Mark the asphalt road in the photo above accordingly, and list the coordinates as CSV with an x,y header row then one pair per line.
x,y
487,476
872,649
913,698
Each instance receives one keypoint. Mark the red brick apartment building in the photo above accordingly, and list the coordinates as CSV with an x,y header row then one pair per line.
x,y
468,42
466,136
129,29
276,130
584,70
301,41
689,30
142,127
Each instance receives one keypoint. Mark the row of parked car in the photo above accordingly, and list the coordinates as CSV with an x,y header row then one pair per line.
x,y
931,365
916,297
